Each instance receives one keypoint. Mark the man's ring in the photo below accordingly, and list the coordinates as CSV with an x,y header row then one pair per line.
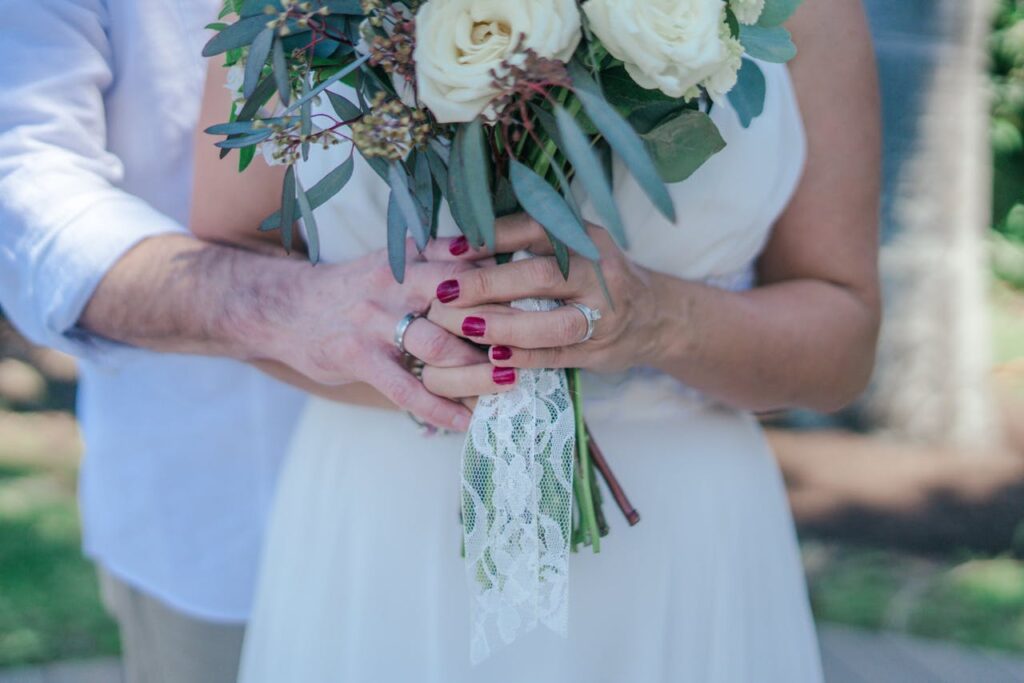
x,y
592,315
402,328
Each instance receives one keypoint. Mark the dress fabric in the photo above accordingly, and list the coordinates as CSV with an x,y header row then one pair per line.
x,y
363,581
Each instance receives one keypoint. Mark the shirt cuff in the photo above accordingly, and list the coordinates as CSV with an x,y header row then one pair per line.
x,y
78,256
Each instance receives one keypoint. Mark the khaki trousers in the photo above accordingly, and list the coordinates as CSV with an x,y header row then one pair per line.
x,y
161,645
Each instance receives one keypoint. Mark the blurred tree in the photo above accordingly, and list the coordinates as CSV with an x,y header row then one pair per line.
x,y
932,382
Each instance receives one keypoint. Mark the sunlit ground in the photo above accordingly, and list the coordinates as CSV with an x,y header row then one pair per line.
x,y
50,608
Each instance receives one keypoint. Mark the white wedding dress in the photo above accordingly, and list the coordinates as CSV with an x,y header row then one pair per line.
x,y
363,581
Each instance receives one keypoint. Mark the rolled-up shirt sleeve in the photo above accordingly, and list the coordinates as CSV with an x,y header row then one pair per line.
x,y
64,222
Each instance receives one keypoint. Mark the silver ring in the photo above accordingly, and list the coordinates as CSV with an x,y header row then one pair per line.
x,y
402,328
592,315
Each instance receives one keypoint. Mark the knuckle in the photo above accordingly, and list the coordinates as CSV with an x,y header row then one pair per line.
x,y
479,283
399,389
436,346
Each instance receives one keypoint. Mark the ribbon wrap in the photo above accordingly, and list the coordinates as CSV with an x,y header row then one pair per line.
x,y
517,476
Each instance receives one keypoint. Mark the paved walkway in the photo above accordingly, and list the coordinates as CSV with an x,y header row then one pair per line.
x,y
850,657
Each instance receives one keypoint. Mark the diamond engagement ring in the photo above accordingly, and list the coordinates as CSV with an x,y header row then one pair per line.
x,y
402,328
592,315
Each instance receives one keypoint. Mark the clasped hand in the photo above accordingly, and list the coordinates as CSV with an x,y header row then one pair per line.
x,y
474,305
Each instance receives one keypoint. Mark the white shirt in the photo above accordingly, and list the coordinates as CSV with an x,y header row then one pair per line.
x,y
100,101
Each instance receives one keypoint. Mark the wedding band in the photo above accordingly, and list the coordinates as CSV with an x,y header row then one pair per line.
x,y
402,328
592,315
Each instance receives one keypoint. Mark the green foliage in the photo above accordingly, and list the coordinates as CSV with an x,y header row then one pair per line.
x,y
682,144
1007,51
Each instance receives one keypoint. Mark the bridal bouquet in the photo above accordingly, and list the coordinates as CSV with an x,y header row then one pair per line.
x,y
484,108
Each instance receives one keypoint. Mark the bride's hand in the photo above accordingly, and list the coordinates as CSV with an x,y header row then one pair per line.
x,y
474,304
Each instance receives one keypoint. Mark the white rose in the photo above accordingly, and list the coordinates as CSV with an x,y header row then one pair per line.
x,y
670,45
747,11
460,42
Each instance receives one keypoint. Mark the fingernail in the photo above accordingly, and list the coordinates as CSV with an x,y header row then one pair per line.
x,y
501,352
473,327
448,291
459,246
461,423
504,376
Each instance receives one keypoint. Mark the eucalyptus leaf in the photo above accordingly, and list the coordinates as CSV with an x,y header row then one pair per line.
x,y
648,117
768,44
576,147
747,97
345,110
309,221
548,208
239,141
627,144
245,127
264,91
306,116
438,169
562,257
401,196
623,92
396,240
682,145
287,221
505,202
351,7
477,165
251,8
778,12
239,34
328,186
423,189
280,68
258,54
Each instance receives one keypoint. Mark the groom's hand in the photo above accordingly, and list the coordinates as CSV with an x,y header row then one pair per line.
x,y
336,324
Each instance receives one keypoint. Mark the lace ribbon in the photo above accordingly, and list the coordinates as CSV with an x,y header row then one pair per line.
x,y
517,470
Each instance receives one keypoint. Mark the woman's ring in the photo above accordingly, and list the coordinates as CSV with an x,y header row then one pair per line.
x,y
402,328
592,315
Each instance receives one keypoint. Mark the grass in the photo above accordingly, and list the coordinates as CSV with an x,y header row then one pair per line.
x,y
977,601
49,600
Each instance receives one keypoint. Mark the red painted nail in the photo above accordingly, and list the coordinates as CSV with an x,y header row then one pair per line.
x,y
448,291
459,246
504,376
501,353
474,327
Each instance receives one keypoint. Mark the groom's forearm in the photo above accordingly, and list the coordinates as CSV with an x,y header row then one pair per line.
x,y
177,294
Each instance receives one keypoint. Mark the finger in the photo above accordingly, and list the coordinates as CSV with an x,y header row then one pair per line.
x,y
408,393
560,357
421,278
468,381
517,232
563,326
537,277
436,346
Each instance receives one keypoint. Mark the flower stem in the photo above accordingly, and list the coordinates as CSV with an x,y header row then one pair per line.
x,y
586,497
